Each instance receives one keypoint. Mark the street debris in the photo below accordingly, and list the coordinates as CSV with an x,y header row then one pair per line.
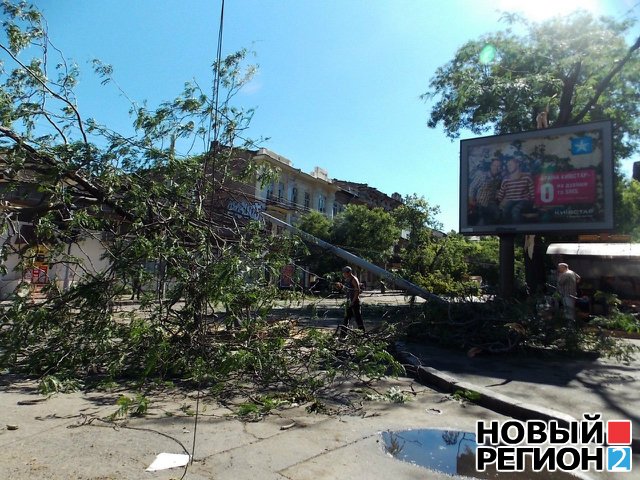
x,y
164,461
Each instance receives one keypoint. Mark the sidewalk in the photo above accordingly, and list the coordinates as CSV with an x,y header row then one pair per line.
x,y
57,438
63,437
541,386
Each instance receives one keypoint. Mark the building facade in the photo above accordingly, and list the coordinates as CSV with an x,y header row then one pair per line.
x,y
294,192
290,193
284,192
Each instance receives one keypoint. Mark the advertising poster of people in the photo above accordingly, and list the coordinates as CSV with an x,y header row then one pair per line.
x,y
552,180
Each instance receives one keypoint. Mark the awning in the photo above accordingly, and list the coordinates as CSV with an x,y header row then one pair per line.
x,y
608,250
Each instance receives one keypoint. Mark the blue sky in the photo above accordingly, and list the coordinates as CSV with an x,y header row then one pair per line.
x,y
339,80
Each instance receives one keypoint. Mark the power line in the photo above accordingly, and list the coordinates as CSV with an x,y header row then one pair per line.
x,y
216,82
213,125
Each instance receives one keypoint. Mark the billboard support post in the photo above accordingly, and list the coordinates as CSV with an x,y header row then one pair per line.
x,y
507,262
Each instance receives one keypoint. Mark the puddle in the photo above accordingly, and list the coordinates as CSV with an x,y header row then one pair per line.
x,y
451,452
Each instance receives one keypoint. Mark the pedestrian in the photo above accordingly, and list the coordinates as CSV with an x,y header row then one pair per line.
x,y
568,289
136,283
352,287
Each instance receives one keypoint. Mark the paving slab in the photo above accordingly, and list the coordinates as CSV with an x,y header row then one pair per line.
x,y
570,385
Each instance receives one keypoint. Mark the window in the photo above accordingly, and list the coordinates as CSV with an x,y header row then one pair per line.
x,y
270,190
321,203
307,200
280,191
294,195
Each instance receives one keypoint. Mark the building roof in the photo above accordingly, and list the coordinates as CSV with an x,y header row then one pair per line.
x,y
369,195
319,175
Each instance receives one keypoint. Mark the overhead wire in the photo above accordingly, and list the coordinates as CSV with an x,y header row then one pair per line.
x,y
214,125
213,147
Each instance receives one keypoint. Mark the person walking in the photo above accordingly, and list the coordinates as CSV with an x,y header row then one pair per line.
x,y
352,287
136,283
568,289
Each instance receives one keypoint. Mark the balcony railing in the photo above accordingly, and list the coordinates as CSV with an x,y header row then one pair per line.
x,y
283,203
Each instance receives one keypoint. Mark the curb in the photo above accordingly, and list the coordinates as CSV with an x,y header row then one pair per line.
x,y
496,402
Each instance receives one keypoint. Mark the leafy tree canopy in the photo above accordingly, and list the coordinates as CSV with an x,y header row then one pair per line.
x,y
370,233
151,210
629,209
418,217
316,224
580,68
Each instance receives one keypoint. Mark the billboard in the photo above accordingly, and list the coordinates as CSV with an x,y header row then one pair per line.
x,y
556,180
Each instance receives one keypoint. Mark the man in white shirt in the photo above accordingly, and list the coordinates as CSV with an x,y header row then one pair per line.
x,y
568,289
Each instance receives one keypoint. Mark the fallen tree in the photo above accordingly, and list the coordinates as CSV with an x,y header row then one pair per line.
x,y
157,219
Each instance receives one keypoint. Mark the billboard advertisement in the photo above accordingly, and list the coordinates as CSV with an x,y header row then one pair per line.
x,y
555,180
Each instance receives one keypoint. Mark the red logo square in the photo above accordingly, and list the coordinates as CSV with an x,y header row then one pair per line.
x,y
619,432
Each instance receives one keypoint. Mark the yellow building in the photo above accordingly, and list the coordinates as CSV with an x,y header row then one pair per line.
x,y
293,192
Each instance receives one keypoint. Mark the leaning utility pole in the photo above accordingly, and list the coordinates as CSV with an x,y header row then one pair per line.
x,y
355,260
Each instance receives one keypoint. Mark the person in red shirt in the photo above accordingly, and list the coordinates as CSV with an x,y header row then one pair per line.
x,y
516,192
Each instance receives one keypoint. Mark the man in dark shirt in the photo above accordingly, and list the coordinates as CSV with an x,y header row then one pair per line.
x,y
352,287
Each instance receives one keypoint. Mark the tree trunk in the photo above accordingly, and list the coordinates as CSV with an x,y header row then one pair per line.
x,y
566,105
